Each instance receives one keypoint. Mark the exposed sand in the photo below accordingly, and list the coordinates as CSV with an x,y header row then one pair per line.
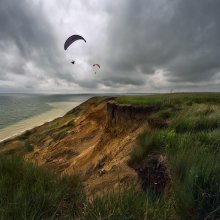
x,y
59,109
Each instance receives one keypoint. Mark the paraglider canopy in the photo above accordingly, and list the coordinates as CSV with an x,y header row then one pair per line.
x,y
72,39
96,65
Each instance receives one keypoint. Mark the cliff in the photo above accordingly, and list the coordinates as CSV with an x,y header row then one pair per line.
x,y
94,139
121,117
121,113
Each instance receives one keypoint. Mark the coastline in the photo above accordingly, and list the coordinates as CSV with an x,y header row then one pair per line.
x,y
59,109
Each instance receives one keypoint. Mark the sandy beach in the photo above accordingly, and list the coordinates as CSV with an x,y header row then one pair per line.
x,y
59,109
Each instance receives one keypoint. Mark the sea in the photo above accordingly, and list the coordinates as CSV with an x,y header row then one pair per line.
x,y
20,112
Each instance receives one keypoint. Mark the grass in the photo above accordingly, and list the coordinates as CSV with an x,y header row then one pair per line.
x,y
30,192
76,111
166,114
197,118
12,148
129,204
144,100
147,143
193,160
195,168
99,99
171,99
192,146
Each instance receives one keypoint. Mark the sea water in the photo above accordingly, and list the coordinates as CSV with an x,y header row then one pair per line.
x,y
19,112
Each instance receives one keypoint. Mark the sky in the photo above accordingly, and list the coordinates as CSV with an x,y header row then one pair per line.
x,y
142,46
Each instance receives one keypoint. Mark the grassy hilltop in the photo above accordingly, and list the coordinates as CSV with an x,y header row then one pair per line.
x,y
184,131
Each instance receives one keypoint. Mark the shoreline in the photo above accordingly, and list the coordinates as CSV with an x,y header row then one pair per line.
x,y
59,109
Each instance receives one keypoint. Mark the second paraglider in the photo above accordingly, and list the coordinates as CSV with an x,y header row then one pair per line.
x,y
96,66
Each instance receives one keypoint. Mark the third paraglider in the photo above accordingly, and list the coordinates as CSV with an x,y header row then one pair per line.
x,y
96,66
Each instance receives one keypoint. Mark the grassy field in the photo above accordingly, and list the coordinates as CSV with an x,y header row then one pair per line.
x,y
190,143
171,99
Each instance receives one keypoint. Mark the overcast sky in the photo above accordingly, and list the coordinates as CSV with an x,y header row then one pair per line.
x,y
141,45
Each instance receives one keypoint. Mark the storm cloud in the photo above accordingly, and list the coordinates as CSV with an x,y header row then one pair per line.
x,y
142,46
28,45
180,37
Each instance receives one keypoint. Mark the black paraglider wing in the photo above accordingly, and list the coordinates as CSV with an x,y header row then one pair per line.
x,y
72,39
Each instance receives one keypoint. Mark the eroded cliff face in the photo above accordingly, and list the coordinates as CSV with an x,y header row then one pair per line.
x,y
121,113
96,145
125,118
104,164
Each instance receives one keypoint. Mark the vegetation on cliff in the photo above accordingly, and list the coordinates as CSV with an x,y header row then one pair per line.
x,y
176,159
191,145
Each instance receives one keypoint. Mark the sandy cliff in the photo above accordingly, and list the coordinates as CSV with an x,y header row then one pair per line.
x,y
93,140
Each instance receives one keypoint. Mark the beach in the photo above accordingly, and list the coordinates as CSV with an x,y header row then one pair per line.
x,y
58,110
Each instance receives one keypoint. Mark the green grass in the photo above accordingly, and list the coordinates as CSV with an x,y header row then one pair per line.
x,y
145,100
193,160
197,118
171,99
76,111
166,114
13,148
195,168
129,204
30,192
192,145
99,99
150,142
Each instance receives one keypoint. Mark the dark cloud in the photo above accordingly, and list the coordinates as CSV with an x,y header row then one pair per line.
x,y
25,26
120,80
27,37
180,37
139,44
